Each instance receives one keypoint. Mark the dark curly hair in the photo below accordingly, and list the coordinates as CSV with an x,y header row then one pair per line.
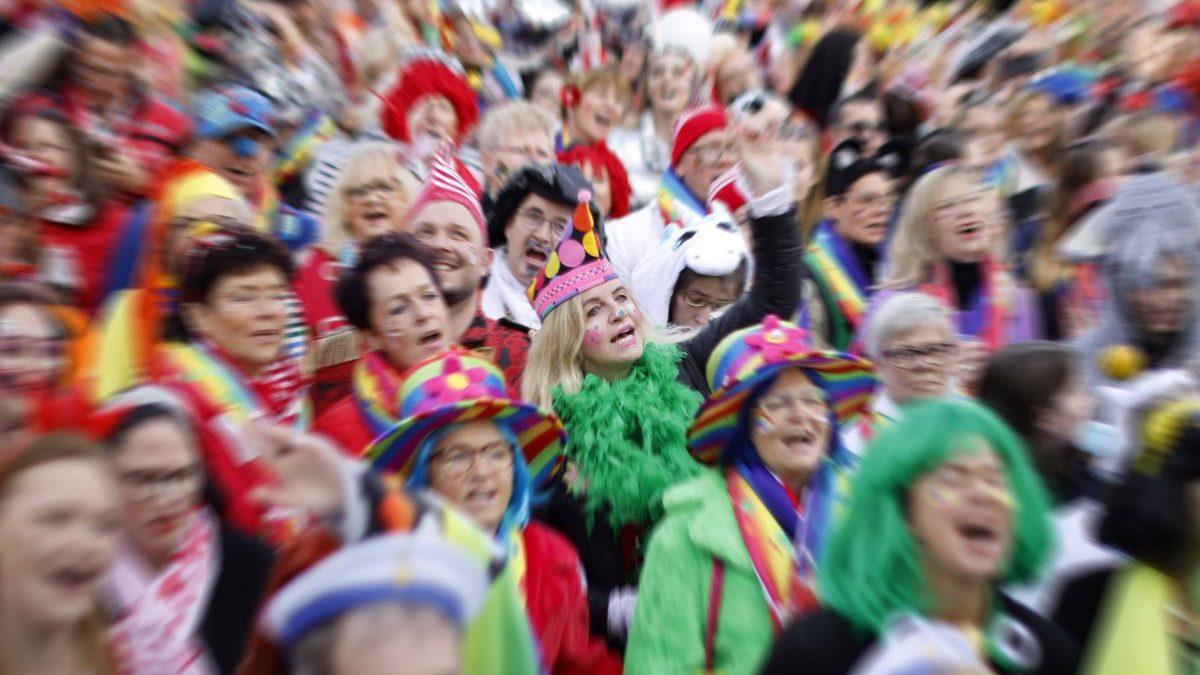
x,y
230,253
352,294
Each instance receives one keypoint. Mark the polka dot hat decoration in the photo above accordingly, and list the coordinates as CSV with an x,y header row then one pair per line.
x,y
578,263
751,356
458,387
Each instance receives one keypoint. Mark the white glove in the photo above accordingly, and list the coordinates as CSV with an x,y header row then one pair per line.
x,y
621,603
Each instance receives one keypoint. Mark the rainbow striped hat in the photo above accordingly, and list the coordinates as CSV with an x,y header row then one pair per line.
x,y
457,387
751,356
577,265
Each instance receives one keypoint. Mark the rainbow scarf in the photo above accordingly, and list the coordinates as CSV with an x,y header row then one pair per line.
x,y
989,315
843,284
519,562
768,541
675,198
200,365
376,387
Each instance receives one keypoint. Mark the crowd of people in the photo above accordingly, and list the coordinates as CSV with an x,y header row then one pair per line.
x,y
509,337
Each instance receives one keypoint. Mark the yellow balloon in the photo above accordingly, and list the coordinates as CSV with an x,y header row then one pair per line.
x,y
1122,362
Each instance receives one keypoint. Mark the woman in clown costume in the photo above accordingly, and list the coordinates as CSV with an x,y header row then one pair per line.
x,y
464,438
731,562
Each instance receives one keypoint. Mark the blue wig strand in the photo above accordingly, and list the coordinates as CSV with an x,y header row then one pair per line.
x,y
516,515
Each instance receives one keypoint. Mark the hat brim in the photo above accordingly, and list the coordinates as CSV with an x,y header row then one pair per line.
x,y
540,435
848,380
217,133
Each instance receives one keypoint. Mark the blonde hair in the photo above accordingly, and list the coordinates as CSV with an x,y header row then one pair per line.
x,y
556,351
1144,133
913,251
515,117
368,160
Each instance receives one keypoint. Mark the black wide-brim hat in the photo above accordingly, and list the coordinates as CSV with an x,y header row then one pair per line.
x,y
558,183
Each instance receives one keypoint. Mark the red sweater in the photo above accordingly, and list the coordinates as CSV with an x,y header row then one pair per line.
x,y
80,257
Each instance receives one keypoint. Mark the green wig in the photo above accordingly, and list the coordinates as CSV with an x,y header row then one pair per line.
x,y
871,569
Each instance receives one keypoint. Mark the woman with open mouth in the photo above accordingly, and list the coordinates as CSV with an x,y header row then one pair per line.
x,y
627,394
946,245
463,437
60,519
944,511
725,548
593,105
371,197
185,587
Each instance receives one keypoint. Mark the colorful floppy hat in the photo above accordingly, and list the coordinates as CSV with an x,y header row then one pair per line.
x,y
458,387
578,264
751,356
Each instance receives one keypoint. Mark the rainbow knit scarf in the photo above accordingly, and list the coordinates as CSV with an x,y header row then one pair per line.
x,y
770,547
201,366
843,283
376,386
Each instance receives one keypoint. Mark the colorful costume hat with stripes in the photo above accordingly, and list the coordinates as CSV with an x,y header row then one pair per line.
x,y
752,356
458,387
578,264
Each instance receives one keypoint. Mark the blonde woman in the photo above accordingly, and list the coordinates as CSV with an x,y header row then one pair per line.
x,y
948,244
371,197
627,395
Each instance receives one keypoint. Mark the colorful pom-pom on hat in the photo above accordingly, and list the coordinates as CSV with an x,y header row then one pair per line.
x,y
578,264
754,355
458,387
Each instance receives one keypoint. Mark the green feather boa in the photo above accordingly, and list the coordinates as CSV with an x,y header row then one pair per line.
x,y
628,439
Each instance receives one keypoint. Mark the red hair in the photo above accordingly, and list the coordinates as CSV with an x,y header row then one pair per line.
x,y
428,78
598,157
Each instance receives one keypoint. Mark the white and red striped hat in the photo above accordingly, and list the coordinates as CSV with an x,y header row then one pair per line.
x,y
446,183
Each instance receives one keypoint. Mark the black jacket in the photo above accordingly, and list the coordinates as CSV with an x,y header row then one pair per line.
x,y
234,605
1080,603
824,643
778,255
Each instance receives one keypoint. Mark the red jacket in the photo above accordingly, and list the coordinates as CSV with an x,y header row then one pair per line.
x,y
82,255
343,424
558,608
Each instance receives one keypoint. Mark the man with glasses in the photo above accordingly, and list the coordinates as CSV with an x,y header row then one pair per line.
x,y
511,136
236,137
911,342
843,256
530,216
703,148
859,117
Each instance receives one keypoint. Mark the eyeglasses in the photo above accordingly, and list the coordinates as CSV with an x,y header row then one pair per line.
x,y
537,155
707,154
866,200
227,223
812,402
907,358
534,220
698,301
147,485
241,302
862,128
713,153
32,350
360,192
457,461
953,204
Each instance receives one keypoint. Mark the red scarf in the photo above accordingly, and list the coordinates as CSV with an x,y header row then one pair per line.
x,y
987,318
159,618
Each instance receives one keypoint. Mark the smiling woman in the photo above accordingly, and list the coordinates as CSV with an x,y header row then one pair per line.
x,y
601,365
58,506
944,510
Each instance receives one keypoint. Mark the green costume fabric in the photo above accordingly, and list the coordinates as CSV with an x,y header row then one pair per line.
x,y
628,439
667,635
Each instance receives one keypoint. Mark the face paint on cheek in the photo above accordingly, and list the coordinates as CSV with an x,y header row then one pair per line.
x,y
592,337
762,423
943,496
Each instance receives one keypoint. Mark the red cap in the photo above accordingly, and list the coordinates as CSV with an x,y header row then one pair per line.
x,y
695,124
